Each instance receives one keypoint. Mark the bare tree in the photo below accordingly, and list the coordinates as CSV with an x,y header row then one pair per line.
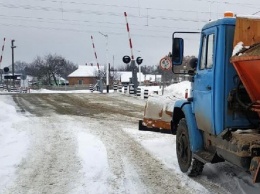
x,y
19,66
54,65
49,68
36,69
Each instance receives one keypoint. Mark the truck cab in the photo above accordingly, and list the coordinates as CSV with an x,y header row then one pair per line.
x,y
215,124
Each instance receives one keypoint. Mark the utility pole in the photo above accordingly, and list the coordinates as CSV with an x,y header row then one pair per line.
x,y
107,71
113,68
13,47
139,68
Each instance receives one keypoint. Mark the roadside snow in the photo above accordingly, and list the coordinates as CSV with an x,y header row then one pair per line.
x,y
13,143
162,147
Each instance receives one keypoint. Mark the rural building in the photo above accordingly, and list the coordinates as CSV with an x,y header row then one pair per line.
x,y
147,79
150,79
125,76
84,75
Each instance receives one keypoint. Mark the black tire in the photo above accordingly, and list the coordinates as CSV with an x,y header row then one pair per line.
x,y
183,151
196,169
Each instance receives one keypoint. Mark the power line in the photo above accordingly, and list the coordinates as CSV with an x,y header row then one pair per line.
x,y
150,8
78,11
77,30
87,31
229,3
61,21
147,17
29,7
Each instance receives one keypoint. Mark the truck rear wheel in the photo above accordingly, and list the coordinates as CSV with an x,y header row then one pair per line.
x,y
183,146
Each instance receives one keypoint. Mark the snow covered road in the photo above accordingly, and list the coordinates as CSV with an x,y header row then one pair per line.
x,y
90,143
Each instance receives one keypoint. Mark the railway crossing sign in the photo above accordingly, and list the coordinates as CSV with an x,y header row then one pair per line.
x,y
165,63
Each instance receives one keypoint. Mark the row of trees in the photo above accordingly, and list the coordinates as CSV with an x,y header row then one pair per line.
x,y
46,69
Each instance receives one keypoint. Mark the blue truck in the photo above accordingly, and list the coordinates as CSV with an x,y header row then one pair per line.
x,y
220,121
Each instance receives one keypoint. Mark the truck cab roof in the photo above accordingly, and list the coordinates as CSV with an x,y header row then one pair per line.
x,y
222,21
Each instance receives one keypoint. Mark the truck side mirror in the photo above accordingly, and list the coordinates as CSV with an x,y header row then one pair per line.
x,y
177,51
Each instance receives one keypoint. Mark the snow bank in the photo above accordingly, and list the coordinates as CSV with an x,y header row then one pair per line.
x,y
13,143
178,90
249,16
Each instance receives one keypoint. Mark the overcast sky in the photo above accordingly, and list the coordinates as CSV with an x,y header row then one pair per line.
x,y
64,27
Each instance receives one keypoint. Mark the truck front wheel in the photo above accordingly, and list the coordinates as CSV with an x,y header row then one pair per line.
x,y
183,146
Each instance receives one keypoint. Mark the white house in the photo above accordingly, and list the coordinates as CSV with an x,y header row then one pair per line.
x,y
152,78
126,75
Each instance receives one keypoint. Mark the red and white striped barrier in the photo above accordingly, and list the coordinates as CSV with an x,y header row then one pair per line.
x,y
3,48
130,41
95,51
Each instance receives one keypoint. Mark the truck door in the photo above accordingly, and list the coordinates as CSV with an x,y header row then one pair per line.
x,y
204,83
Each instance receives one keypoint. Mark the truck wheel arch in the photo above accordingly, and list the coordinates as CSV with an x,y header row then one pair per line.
x,y
181,110
178,114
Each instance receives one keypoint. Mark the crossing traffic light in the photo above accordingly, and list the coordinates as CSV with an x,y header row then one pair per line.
x,y
126,59
139,60
6,69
